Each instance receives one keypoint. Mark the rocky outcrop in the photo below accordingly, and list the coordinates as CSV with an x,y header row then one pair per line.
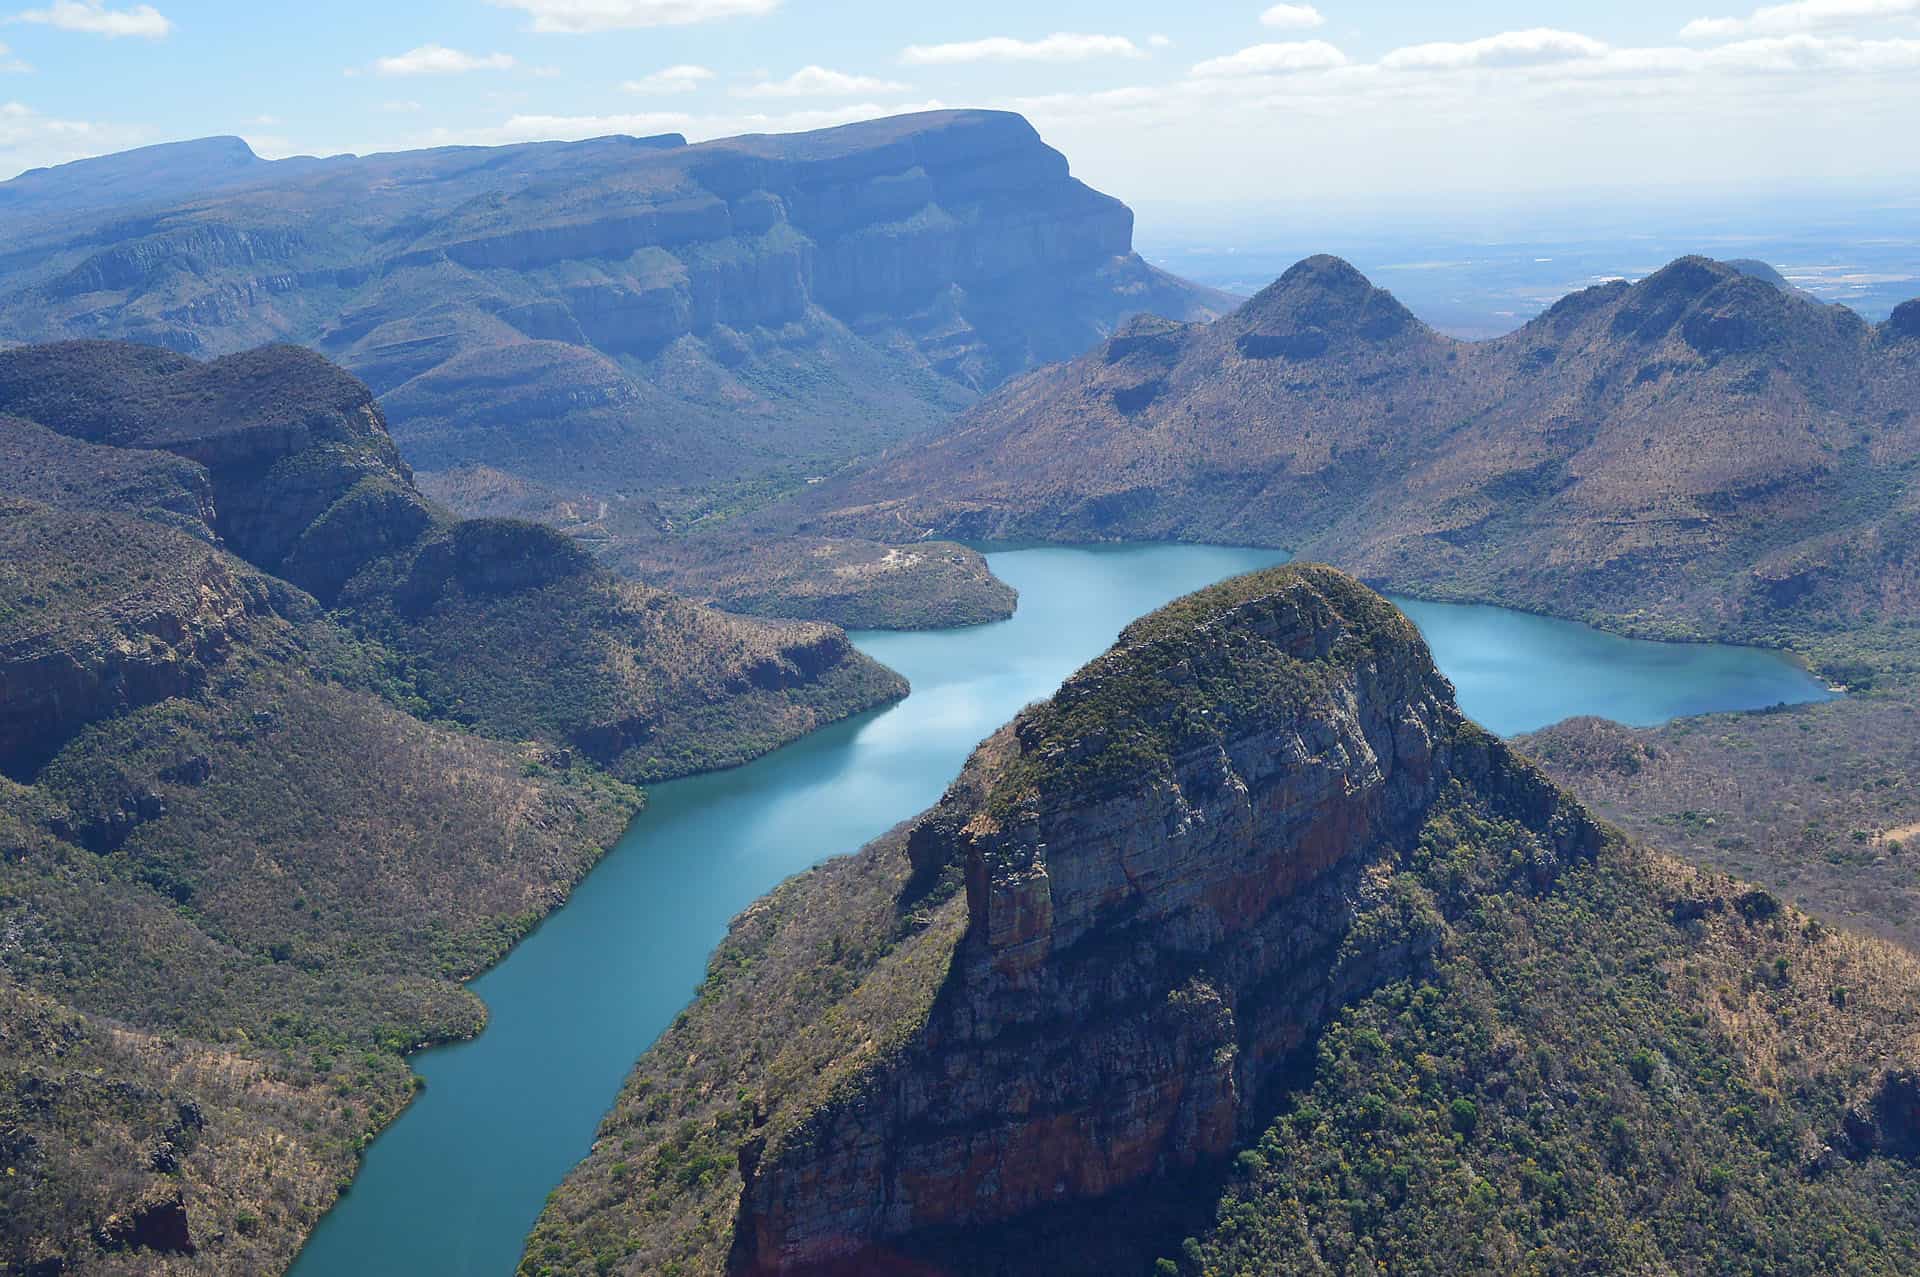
x,y
148,641
301,477
1905,323
158,1225
1160,875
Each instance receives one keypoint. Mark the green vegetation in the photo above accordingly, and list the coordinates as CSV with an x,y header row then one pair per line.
x,y
1587,1079
227,913
249,848
1546,1061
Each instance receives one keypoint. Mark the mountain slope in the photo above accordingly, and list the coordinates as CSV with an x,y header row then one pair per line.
x,y
615,316
1247,937
1697,453
236,883
285,460
252,844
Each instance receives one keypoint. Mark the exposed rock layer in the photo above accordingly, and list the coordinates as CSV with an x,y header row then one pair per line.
x,y
1158,883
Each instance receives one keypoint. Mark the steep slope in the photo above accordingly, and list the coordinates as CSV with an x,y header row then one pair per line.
x,y
284,459
286,754
1697,453
609,317
1250,884
236,883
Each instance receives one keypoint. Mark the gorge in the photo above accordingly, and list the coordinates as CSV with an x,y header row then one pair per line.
x,y
454,1184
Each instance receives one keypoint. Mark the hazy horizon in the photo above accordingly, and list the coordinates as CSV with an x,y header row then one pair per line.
x,y
1342,103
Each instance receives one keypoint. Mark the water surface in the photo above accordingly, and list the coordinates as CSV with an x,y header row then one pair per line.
x,y
456,1183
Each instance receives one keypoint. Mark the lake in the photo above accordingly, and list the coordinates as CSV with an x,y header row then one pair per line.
x,y
455,1184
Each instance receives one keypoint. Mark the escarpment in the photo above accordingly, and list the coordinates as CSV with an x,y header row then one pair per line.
x,y
670,315
1159,878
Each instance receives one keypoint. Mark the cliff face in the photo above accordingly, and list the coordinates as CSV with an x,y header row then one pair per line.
x,y
1158,883
300,475
735,304
70,662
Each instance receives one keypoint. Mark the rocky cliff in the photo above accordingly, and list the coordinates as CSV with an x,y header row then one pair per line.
x,y
1158,884
617,315
283,459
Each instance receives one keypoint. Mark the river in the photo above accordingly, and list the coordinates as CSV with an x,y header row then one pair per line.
x,y
455,1184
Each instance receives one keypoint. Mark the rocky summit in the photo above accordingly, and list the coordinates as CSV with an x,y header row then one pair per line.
x,y
564,324
1243,948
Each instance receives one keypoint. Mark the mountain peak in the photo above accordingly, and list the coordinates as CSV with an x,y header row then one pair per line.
x,y
1906,320
1320,303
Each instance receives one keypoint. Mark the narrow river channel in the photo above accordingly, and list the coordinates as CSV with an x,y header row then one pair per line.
x,y
455,1184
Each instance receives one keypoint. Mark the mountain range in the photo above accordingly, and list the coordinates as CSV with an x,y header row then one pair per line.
x,y
1698,453
326,489
563,325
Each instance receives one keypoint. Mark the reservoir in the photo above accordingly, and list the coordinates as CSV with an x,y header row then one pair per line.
x,y
455,1184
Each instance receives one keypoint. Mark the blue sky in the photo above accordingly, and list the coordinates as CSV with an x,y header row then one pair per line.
x,y
1212,100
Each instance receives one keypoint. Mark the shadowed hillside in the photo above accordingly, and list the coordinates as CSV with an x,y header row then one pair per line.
x,y
287,753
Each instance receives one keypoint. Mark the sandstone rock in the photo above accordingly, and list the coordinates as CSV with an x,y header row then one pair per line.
x,y
1157,885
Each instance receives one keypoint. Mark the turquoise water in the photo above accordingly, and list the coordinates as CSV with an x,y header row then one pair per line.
x,y
455,1184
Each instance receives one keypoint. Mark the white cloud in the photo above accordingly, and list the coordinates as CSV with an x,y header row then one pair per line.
x,y
1158,41
577,16
93,17
1815,53
438,59
400,106
1803,15
819,82
1537,47
1061,46
1293,17
675,79
9,63
1274,59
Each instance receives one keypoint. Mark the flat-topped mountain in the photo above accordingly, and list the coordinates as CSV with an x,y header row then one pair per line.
x,y
610,317
1700,451
1246,937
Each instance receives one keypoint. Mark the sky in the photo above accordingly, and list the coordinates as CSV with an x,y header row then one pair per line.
x,y
1375,104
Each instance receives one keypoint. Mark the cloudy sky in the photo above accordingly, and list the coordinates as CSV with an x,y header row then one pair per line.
x,y
1357,101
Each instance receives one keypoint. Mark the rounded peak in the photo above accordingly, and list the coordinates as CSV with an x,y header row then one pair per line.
x,y
1689,276
1345,602
1320,303
1269,650
1905,323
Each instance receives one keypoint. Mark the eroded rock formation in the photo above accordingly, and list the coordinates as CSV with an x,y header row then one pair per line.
x,y
1160,880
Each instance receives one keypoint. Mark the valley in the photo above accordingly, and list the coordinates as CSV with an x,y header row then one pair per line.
x,y
373,528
